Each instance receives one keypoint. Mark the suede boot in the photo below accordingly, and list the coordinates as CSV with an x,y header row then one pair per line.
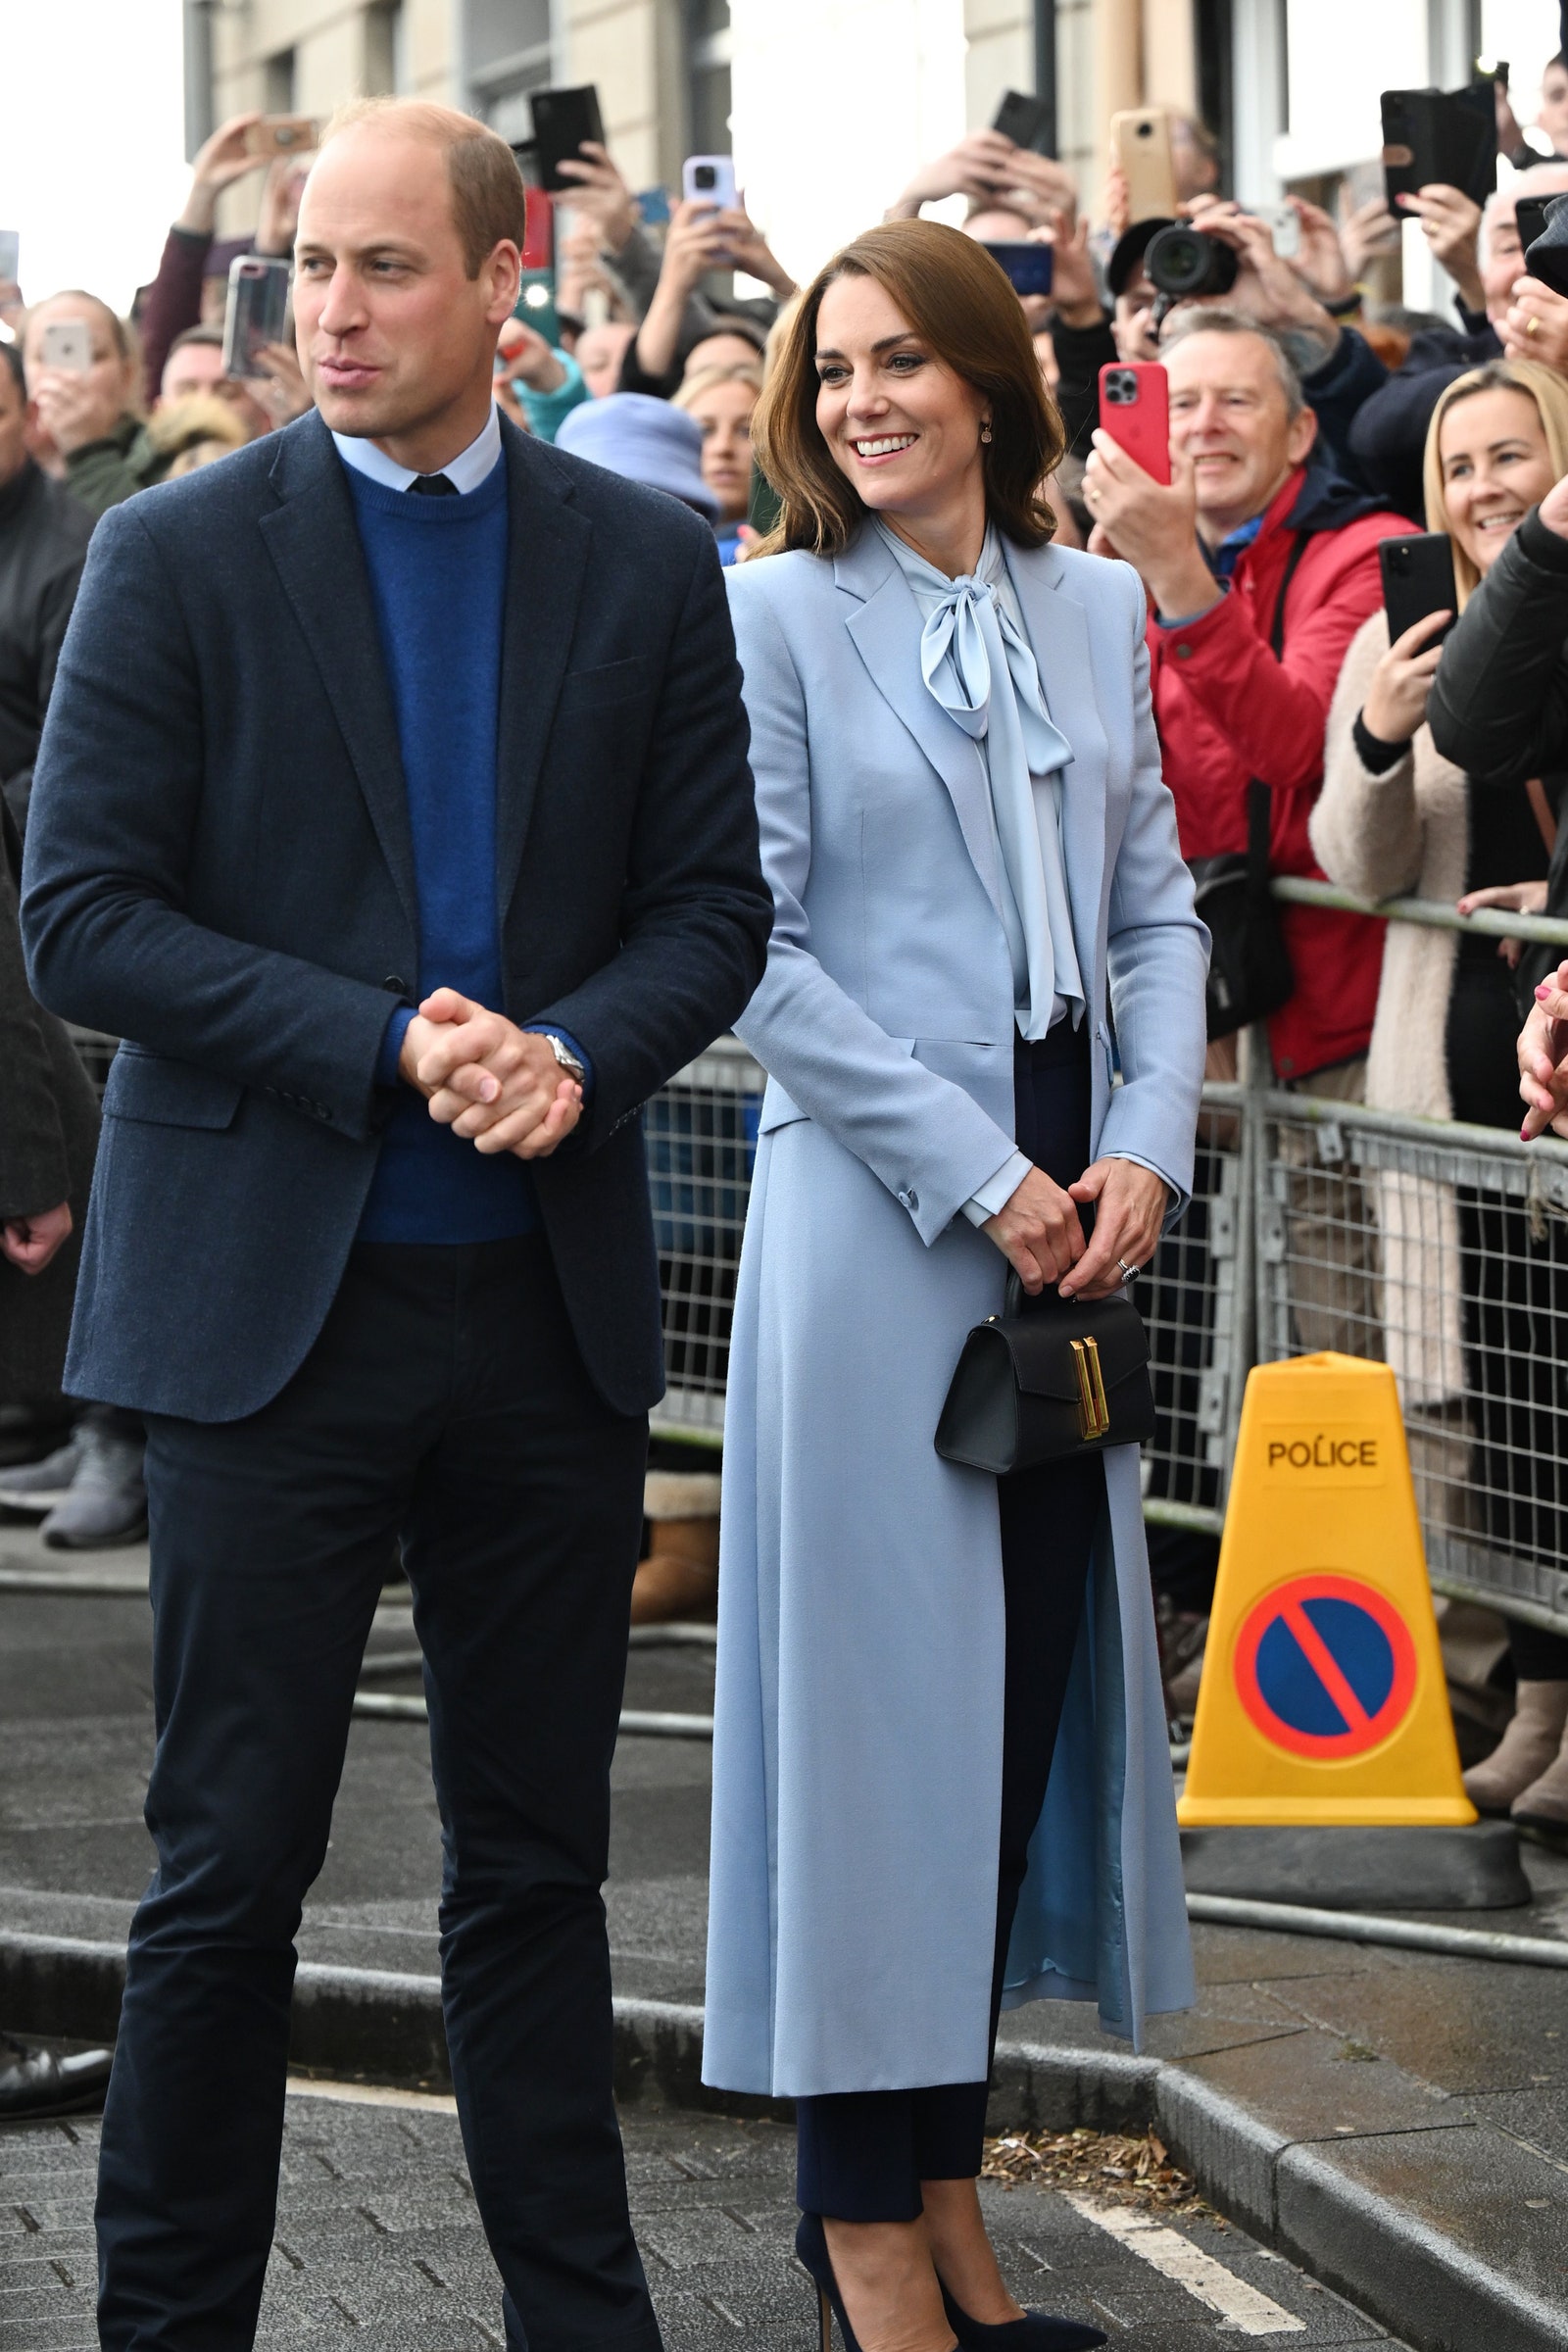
x,y
1544,1805
679,1579
1528,1751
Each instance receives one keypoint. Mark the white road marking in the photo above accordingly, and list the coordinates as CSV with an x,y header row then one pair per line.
x,y
1242,2306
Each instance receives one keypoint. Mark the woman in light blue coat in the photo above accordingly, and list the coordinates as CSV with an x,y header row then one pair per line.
x,y
975,872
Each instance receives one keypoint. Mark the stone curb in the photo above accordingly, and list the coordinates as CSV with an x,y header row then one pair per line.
x,y
381,2025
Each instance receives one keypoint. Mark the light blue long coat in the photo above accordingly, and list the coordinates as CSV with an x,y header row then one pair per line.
x,y
857,1745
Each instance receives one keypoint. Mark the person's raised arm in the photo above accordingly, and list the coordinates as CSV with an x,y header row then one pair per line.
x,y
700,239
173,300
1500,701
1451,223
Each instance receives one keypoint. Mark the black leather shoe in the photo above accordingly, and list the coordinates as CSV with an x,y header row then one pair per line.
x,y
1036,2331
39,2083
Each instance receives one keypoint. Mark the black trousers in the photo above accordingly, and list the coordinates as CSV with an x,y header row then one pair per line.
x,y
863,2155
445,1406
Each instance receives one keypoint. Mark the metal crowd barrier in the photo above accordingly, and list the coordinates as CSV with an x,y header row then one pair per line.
x,y
1438,1247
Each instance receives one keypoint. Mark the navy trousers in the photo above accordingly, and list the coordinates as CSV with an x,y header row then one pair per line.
x,y
445,1406
863,2155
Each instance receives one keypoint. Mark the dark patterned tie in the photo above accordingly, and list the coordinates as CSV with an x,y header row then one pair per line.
x,y
433,485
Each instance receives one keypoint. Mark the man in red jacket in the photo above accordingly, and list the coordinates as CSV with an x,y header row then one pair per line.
x,y
1245,529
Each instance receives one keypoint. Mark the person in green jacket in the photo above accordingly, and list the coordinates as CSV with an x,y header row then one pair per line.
x,y
91,416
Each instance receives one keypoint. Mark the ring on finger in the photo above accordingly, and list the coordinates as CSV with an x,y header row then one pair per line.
x,y
1128,1273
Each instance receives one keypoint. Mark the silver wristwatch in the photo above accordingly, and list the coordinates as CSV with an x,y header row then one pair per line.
x,y
567,1058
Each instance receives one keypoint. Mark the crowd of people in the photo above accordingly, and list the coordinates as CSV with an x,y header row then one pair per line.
x,y
354,1276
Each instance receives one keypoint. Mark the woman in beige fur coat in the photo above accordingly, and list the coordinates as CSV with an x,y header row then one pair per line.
x,y
1472,1301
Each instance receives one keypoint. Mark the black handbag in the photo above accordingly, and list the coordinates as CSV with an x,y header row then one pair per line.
x,y
1249,973
1047,1379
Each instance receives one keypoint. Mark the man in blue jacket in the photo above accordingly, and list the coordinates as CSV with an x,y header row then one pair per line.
x,y
394,808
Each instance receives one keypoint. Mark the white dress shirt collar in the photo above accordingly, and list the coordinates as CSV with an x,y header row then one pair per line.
x,y
465,472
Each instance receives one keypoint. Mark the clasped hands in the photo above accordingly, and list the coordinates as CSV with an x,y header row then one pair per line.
x,y
498,1085
1039,1233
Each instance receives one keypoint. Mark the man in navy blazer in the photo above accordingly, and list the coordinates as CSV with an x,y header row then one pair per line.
x,y
394,808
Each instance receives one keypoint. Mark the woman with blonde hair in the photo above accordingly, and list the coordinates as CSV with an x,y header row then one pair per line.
x,y
974,868
721,400
1467,1288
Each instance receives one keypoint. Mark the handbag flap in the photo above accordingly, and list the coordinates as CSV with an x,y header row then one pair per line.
x,y
1039,1343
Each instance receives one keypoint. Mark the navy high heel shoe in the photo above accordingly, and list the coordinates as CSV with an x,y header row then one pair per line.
x,y
811,2246
1036,2331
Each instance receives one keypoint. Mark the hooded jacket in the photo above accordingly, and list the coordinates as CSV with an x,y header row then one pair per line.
x,y
1228,710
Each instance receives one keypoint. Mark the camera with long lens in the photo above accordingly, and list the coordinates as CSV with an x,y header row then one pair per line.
x,y
1182,263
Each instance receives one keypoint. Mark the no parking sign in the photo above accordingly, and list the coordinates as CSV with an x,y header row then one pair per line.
x,y
1323,1697
1325,1666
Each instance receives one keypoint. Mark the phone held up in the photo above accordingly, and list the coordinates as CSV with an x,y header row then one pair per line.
x,y
710,180
282,134
257,311
1135,411
1446,136
1417,581
1140,140
67,344
1025,120
1028,266
562,121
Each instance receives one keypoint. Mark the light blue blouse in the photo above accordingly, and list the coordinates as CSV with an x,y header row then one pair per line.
x,y
978,664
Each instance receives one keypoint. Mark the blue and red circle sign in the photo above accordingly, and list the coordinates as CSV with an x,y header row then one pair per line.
x,y
1325,1667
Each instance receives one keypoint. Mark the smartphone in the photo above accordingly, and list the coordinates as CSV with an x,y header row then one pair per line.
x,y
284,134
1028,266
1135,411
563,120
67,344
1417,580
257,311
1432,136
1140,141
1284,228
1023,120
710,180
10,256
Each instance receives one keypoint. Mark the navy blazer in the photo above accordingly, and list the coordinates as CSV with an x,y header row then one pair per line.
x,y
220,871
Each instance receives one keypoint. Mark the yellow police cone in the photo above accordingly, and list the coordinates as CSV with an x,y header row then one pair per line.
x,y
1323,1697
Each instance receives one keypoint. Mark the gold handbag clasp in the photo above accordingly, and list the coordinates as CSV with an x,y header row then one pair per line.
x,y
1094,1413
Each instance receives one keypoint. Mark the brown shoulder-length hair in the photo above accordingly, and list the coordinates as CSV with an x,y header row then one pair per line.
x,y
958,301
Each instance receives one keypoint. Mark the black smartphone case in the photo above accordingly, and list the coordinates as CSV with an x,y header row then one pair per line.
x,y
1447,139
561,121
1417,580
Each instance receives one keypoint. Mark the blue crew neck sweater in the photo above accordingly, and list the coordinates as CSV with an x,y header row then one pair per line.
x,y
438,581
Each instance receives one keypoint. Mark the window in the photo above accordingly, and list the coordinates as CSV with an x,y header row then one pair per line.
x,y
278,84
507,45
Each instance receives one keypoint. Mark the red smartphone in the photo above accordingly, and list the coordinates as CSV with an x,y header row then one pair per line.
x,y
1135,411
